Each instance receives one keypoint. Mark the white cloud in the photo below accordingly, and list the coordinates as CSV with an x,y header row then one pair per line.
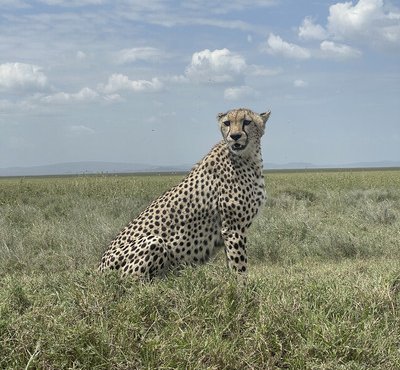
x,y
222,6
72,3
81,129
220,66
141,53
175,79
117,82
344,18
300,83
5,105
80,55
256,70
367,20
215,66
18,107
84,95
21,76
391,34
170,14
276,46
221,23
239,92
13,4
311,31
112,98
334,50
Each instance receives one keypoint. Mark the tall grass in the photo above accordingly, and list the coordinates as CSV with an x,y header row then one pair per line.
x,y
323,290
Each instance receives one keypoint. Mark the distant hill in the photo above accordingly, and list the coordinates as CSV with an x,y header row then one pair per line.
x,y
304,165
74,168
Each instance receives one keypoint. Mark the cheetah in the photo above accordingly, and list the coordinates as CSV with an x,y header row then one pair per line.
x,y
211,207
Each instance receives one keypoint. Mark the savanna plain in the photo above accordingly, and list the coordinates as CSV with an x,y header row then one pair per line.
x,y
323,290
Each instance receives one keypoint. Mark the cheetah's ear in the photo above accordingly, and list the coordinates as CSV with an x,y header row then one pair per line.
x,y
220,115
265,116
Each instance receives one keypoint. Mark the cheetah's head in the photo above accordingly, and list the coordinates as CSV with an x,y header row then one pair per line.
x,y
242,128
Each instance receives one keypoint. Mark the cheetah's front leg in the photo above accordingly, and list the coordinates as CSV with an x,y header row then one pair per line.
x,y
235,249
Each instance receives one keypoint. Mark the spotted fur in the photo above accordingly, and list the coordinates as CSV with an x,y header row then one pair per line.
x,y
213,206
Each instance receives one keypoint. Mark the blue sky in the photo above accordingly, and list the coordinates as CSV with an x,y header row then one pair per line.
x,y
142,81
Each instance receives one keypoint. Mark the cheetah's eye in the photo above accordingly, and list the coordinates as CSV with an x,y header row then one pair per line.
x,y
246,122
227,123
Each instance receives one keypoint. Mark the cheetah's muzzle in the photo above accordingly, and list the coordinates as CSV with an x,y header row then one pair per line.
x,y
237,147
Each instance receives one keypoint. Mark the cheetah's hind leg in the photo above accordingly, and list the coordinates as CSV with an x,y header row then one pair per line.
x,y
148,259
143,259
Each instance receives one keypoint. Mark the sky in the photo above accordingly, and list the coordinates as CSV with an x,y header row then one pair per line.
x,y
142,81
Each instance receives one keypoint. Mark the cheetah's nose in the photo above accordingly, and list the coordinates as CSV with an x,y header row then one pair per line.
x,y
236,137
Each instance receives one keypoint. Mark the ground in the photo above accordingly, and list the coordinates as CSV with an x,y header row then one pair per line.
x,y
323,290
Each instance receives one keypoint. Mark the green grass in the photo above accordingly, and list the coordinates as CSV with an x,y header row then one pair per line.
x,y
323,290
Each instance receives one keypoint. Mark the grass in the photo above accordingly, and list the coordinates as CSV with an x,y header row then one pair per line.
x,y
323,290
